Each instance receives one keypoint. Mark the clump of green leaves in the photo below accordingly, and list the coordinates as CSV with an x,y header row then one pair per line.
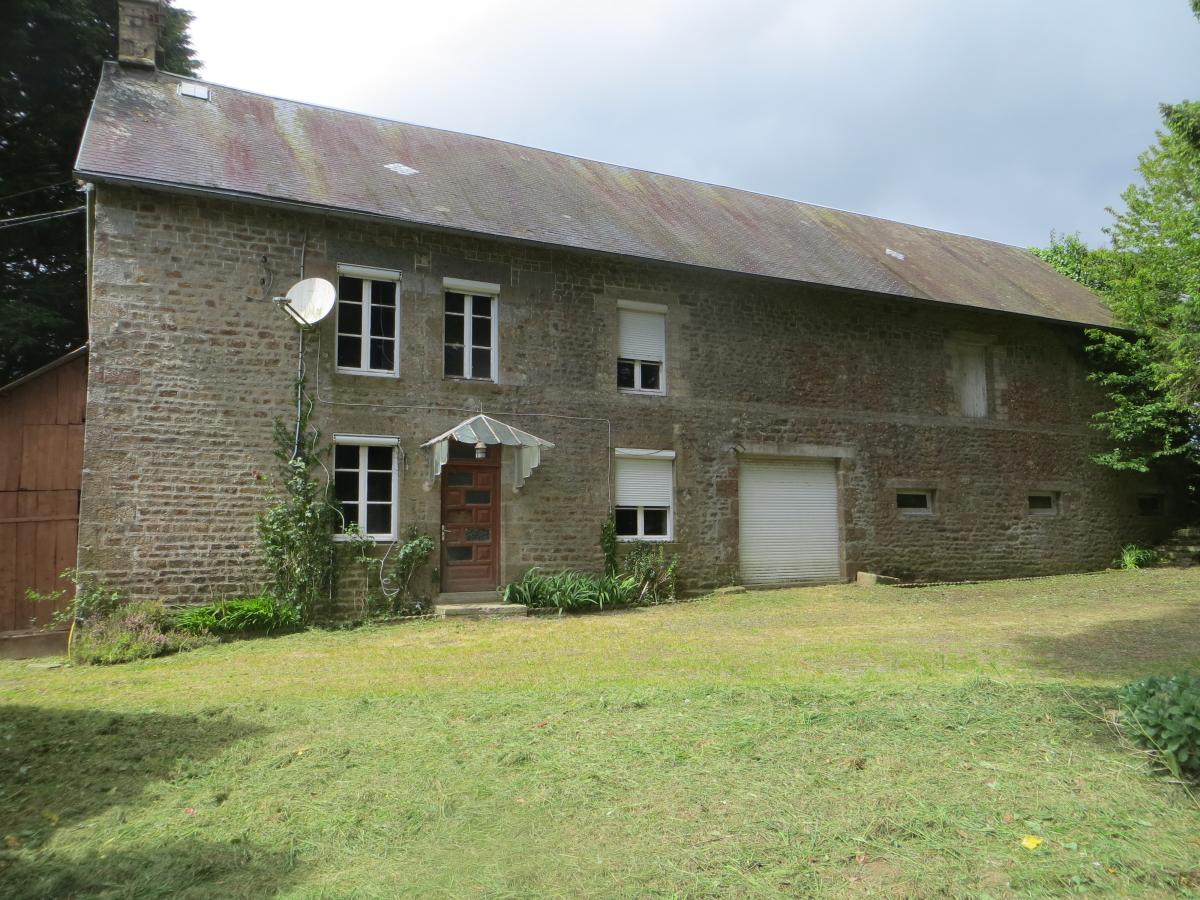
x,y
139,629
656,575
1150,278
1135,557
296,532
608,543
238,615
1162,714
397,574
91,600
571,591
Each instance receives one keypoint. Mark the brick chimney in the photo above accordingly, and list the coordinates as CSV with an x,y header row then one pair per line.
x,y
137,33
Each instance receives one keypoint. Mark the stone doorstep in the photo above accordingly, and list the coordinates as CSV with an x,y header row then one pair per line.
x,y
467,597
462,610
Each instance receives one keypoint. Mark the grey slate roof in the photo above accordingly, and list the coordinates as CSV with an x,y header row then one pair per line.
x,y
142,130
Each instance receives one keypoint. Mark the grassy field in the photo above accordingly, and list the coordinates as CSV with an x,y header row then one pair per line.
x,y
833,741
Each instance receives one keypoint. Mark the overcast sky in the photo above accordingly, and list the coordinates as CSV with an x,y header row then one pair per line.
x,y
997,118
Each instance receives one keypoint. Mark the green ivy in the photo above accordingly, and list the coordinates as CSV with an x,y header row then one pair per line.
x,y
296,532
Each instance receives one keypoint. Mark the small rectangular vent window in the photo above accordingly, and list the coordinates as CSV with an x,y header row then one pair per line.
x,y
914,503
196,91
1150,505
1043,504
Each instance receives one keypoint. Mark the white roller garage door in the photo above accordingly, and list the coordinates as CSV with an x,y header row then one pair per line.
x,y
788,521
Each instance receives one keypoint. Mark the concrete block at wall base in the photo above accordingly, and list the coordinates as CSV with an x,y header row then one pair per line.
x,y
28,644
870,579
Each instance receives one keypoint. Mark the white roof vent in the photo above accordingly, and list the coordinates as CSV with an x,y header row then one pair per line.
x,y
895,253
401,169
190,89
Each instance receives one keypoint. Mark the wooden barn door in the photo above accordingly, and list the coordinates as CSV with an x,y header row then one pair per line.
x,y
41,459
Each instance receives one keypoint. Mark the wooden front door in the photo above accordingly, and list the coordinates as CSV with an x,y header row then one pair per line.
x,y
470,520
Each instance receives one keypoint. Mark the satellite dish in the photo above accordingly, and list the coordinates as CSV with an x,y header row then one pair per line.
x,y
309,301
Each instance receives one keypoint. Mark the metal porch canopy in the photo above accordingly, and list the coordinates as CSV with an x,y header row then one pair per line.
x,y
483,429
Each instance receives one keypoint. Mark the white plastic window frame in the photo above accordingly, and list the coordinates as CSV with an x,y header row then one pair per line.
x,y
363,442
630,453
368,275
470,290
656,309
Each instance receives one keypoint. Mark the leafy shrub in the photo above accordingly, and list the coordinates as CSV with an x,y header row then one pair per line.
x,y
91,600
571,591
296,532
656,576
1162,714
136,630
1135,557
608,543
396,581
238,615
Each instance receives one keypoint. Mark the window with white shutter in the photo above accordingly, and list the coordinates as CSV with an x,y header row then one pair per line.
x,y
645,494
642,349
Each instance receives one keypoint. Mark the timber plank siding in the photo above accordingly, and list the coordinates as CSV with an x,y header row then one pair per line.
x,y
41,459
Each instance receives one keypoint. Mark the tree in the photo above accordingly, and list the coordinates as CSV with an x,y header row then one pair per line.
x,y
1150,279
52,52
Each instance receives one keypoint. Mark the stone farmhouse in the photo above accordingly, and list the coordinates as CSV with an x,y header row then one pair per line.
x,y
524,341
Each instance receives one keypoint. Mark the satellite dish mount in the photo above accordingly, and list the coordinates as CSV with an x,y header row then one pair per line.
x,y
309,301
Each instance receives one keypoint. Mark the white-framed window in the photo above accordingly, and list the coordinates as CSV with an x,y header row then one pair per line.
x,y
645,483
366,483
642,347
470,330
1043,503
368,321
911,502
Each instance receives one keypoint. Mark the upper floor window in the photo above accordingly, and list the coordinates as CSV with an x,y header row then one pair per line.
x,y
970,374
366,484
642,348
645,494
471,330
368,321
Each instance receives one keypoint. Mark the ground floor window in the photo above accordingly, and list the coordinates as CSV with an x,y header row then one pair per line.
x,y
645,491
366,483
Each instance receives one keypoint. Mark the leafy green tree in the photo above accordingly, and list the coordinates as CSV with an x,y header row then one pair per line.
x,y
1150,278
51,53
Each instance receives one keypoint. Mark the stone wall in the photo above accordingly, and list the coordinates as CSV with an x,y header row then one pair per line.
x,y
191,362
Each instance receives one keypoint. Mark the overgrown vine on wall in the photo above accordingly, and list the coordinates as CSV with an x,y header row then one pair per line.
x,y
296,532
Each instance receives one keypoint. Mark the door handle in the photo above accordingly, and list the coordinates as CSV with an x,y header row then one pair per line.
x,y
443,534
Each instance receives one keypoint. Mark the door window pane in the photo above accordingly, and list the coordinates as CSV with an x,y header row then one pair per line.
x,y
459,479
478,534
459,554
479,497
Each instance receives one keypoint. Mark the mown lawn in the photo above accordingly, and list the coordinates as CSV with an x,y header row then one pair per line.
x,y
831,741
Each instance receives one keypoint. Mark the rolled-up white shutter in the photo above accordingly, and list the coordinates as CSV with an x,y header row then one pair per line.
x,y
788,526
643,335
644,482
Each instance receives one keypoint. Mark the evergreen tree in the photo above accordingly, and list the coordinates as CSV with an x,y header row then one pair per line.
x,y
52,51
